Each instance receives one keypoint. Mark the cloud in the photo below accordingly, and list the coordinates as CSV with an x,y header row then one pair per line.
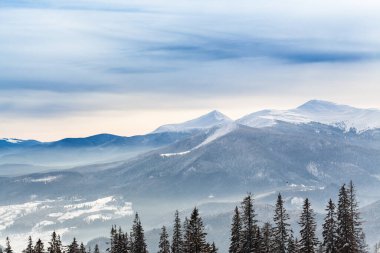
x,y
69,58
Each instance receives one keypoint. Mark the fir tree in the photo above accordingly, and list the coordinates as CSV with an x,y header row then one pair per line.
x,y
329,232
267,234
196,234
292,247
344,232
308,240
39,247
259,242
73,247
82,248
235,233
281,228
186,237
96,249
29,248
138,244
248,222
213,248
358,241
164,245
177,235
8,248
55,244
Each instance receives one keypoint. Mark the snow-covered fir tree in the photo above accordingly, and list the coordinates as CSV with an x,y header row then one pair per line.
x,y
29,248
235,239
164,244
195,234
55,244
39,247
281,227
308,241
138,244
73,247
177,242
267,234
248,222
329,232
8,248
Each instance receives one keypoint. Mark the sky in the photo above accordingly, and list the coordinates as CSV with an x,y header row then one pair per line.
x,y
77,68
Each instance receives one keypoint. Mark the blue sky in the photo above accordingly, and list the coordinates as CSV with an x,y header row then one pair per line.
x,y
75,68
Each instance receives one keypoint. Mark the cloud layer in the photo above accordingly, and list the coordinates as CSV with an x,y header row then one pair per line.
x,y
64,61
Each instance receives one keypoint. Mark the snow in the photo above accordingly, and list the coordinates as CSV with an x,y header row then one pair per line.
x,y
100,205
223,130
343,116
175,154
207,121
11,140
45,180
45,216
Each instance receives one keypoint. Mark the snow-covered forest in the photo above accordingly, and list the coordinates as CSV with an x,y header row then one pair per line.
x,y
342,232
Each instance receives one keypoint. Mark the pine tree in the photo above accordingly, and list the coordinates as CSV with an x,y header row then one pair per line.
x,y
358,243
292,247
29,248
8,248
235,233
267,233
248,222
73,247
55,244
39,247
164,245
329,232
186,237
177,235
297,246
259,242
96,249
281,228
196,234
344,227
213,248
138,244
82,248
308,240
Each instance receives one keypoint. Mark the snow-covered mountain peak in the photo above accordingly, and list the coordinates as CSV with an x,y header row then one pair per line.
x,y
209,120
320,111
322,105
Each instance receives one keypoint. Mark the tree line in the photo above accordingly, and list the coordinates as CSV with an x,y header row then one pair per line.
x,y
341,232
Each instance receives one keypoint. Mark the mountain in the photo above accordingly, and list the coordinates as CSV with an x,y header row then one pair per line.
x,y
193,165
20,157
343,116
210,120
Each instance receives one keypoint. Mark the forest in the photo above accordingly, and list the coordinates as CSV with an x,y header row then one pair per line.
x,y
341,232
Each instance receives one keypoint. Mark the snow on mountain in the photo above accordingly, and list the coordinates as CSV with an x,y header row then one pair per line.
x,y
40,218
223,130
207,121
11,140
343,116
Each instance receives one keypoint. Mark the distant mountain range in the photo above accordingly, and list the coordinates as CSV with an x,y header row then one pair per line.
x,y
303,152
